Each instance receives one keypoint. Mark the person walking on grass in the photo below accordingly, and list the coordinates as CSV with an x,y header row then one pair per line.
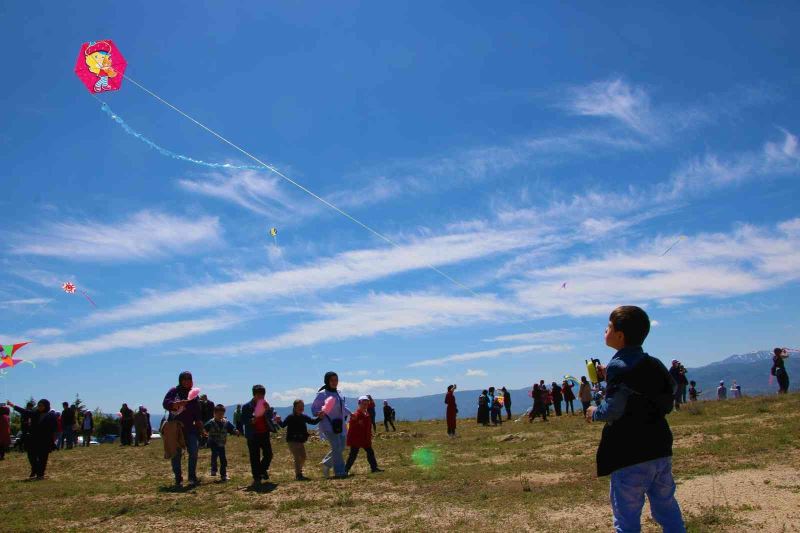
x,y
297,435
722,392
539,403
779,369
388,416
371,409
187,413
585,394
257,427
67,425
140,423
332,426
359,435
483,408
569,397
451,411
41,435
5,430
237,419
558,396
126,425
218,429
87,427
636,444
507,402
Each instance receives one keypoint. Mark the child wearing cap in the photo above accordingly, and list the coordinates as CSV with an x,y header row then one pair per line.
x,y
359,435
218,429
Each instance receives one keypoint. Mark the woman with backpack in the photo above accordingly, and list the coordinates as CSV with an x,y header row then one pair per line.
x,y
779,369
332,424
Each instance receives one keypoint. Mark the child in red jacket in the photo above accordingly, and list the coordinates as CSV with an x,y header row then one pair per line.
x,y
359,435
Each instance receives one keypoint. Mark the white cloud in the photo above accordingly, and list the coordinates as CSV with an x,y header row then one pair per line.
x,y
145,235
655,323
545,335
614,99
744,261
140,337
353,388
44,332
383,313
437,379
713,171
348,268
379,190
25,301
471,373
255,191
491,354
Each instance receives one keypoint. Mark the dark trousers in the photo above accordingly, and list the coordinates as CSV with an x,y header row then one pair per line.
x,y
260,449
2,451
783,382
557,407
218,452
87,437
37,457
585,406
373,463
568,406
372,415
508,411
386,423
126,435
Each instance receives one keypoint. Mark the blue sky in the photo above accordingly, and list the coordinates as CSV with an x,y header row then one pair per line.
x,y
514,148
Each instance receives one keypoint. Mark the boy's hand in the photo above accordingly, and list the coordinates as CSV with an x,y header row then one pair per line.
x,y
590,412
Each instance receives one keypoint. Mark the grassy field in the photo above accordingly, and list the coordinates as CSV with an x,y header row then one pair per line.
x,y
736,463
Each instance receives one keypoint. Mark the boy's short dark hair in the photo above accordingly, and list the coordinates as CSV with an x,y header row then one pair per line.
x,y
633,322
259,388
219,407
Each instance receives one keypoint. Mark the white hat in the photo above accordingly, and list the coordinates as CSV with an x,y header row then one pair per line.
x,y
363,398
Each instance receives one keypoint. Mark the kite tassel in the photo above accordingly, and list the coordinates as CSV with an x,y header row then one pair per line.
x,y
89,299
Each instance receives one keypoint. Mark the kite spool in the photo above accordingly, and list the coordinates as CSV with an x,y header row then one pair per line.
x,y
591,370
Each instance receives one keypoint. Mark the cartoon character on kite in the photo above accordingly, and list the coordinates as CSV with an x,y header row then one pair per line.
x,y
7,358
100,66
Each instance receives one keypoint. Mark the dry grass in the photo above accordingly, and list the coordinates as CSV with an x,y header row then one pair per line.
x,y
735,463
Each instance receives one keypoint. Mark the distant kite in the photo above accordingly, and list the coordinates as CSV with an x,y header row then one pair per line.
x,y
273,232
564,285
673,245
70,288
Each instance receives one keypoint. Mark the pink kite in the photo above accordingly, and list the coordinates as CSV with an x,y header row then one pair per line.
x,y
100,66
194,393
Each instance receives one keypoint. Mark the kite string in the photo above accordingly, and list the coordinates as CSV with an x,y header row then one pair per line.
x,y
293,182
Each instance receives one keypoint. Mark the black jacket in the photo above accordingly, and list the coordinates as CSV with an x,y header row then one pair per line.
x,y
642,432
42,428
298,432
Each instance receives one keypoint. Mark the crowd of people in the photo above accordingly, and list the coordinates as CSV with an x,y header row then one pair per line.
x,y
632,395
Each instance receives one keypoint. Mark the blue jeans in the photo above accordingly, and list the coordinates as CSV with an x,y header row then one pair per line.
x,y
192,446
334,458
628,488
219,452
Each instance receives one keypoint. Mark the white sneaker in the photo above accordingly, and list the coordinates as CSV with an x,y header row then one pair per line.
x,y
326,471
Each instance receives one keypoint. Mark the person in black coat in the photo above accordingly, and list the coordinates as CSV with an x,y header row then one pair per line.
x,y
40,440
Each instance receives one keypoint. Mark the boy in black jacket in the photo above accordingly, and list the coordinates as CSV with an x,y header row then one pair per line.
x,y
636,446
297,435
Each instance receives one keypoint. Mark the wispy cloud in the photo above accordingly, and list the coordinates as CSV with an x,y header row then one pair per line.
x,y
491,354
615,99
473,373
383,313
545,335
713,265
355,388
712,171
348,268
140,337
255,191
44,332
145,235
25,301
379,190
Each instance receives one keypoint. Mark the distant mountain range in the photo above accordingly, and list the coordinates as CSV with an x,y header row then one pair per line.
x,y
750,370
